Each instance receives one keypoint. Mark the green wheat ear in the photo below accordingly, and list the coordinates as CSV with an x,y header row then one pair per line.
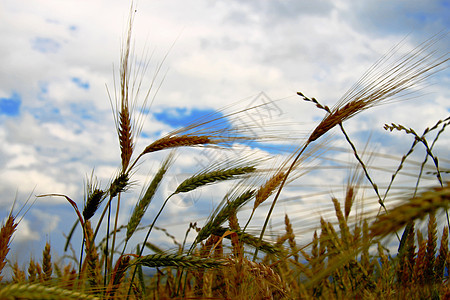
x,y
142,205
205,178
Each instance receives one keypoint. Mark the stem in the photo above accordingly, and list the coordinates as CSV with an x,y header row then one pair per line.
x,y
278,195
145,241
375,187
248,221
107,241
81,256
114,233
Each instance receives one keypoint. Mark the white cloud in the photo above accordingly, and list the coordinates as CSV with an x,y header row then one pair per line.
x,y
224,52
25,232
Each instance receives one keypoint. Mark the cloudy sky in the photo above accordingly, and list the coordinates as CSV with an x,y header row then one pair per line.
x,y
58,57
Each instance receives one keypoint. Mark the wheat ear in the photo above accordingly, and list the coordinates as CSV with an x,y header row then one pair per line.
x,y
249,240
47,262
32,271
117,276
176,141
221,216
416,208
39,291
442,257
92,259
165,260
205,178
94,197
141,206
265,191
5,238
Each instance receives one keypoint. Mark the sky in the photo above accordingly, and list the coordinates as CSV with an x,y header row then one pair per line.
x,y
59,60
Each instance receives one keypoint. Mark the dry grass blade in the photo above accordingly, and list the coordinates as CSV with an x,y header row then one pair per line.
x,y
74,205
416,208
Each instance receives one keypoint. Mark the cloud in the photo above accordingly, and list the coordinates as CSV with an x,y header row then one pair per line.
x,y
56,60
45,45
25,232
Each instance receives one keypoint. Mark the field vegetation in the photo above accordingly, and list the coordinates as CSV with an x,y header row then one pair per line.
x,y
347,257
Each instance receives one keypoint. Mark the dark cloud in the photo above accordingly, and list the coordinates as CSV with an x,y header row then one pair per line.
x,y
270,13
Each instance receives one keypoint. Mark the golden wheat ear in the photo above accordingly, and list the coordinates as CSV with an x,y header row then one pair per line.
x,y
388,79
5,238
416,208
92,258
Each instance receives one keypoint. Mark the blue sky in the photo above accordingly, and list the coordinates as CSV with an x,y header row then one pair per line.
x,y
58,58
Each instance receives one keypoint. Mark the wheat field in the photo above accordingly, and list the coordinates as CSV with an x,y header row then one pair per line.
x,y
348,255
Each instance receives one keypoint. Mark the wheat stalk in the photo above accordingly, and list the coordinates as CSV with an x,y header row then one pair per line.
x,y
430,257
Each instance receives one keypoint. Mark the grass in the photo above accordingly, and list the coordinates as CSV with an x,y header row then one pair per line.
x,y
346,258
